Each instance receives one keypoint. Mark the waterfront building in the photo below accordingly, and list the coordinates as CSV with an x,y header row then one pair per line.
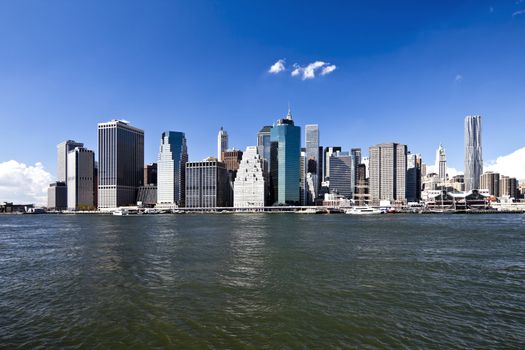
x,y
80,177
302,178
458,183
312,161
473,152
508,186
341,174
413,181
285,152
207,184
249,188
328,151
441,163
171,162
490,181
356,160
147,195
121,163
57,196
150,174
263,143
222,143
62,151
388,166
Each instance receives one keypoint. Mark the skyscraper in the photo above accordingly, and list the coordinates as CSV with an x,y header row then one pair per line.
x,y
263,142
120,162
473,152
150,174
441,163
356,155
328,151
207,184
285,150
62,150
413,178
80,177
250,183
388,166
341,174
508,186
172,159
222,143
312,160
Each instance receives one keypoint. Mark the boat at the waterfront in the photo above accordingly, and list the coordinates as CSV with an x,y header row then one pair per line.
x,y
363,211
121,212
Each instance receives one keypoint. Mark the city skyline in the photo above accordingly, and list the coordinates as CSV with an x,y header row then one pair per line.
x,y
406,74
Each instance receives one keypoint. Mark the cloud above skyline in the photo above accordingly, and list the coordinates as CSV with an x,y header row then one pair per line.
x,y
278,67
518,13
512,165
25,184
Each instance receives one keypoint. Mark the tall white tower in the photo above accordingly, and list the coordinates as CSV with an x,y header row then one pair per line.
x,y
222,143
441,163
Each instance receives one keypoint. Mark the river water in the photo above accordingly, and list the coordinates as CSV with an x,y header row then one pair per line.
x,y
262,281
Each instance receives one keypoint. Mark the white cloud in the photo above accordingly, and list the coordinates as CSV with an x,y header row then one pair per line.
x,y
328,69
21,183
309,71
512,165
519,12
277,67
458,78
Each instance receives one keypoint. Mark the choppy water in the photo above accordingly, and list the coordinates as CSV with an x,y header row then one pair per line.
x,y
262,281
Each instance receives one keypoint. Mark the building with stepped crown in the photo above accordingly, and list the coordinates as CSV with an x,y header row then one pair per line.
x,y
222,143
441,163
249,189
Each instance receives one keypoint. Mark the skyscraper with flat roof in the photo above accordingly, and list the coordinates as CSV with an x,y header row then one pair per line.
x,y
473,152
341,174
120,162
171,163
328,151
62,151
312,160
490,181
207,184
80,178
263,142
285,153
388,167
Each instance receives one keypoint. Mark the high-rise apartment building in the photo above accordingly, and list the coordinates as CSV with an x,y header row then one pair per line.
x,y
490,181
328,151
473,152
285,150
222,143
508,186
207,184
250,183
388,166
80,178
62,151
120,162
342,174
171,162
441,163
312,161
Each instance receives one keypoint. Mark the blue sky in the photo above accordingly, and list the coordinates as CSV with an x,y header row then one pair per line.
x,y
406,71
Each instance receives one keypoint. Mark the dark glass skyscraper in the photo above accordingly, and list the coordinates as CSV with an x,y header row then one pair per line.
x,y
285,151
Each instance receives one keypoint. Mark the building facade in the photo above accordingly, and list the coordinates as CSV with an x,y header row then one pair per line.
x,y
508,186
285,151
207,184
328,151
150,174
490,181
473,152
263,142
441,163
413,178
222,143
388,165
57,196
80,178
312,163
171,173
62,151
250,183
120,162
342,174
